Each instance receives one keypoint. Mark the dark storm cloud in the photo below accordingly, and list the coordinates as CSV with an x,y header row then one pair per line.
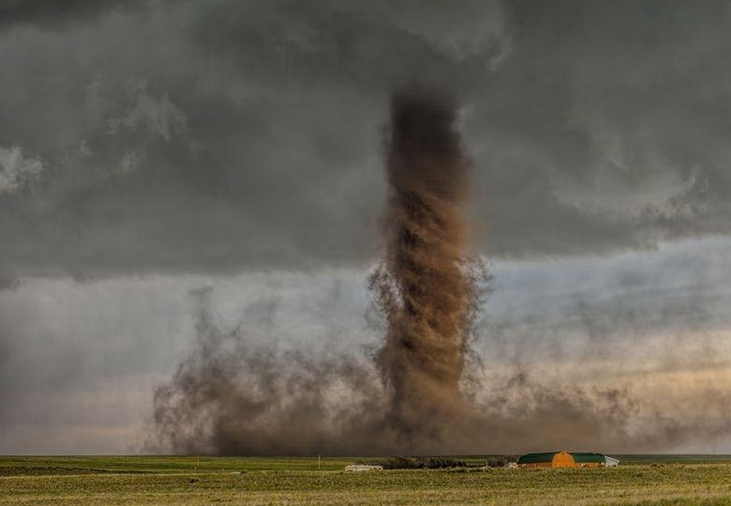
x,y
610,120
57,13
211,136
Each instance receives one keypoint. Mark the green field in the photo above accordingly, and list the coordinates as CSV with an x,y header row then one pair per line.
x,y
642,479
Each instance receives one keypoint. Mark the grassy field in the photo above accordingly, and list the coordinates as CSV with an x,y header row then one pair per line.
x,y
645,480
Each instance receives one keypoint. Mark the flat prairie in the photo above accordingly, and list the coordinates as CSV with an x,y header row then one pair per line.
x,y
641,480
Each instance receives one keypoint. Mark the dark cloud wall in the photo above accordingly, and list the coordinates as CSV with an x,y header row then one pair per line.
x,y
214,136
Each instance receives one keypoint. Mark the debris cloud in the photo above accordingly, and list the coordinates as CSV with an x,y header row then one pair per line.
x,y
229,398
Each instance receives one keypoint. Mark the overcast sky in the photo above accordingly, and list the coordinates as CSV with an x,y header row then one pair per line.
x,y
152,148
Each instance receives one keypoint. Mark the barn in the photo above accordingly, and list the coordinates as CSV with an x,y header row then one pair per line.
x,y
566,459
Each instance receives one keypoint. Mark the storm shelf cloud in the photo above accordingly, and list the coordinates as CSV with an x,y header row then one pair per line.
x,y
587,138
157,147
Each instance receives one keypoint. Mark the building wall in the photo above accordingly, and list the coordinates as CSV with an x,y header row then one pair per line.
x,y
563,459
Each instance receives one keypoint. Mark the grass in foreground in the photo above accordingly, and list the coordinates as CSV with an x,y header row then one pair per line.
x,y
173,481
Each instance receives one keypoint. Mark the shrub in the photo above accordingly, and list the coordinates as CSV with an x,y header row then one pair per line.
x,y
499,460
420,463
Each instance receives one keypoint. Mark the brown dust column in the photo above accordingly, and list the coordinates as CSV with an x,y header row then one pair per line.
x,y
422,284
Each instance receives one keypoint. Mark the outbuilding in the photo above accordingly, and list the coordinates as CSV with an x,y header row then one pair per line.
x,y
566,459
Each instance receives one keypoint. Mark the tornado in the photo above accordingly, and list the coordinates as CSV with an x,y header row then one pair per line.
x,y
423,391
423,283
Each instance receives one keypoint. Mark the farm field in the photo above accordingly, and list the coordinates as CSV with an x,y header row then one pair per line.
x,y
641,480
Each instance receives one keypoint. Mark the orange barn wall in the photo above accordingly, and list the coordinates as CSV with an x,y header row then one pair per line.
x,y
563,459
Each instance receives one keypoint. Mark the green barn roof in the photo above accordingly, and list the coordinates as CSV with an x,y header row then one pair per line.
x,y
589,457
535,458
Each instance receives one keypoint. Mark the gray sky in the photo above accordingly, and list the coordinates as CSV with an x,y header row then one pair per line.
x,y
150,148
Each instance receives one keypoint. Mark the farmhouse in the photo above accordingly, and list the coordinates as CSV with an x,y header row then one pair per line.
x,y
566,459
